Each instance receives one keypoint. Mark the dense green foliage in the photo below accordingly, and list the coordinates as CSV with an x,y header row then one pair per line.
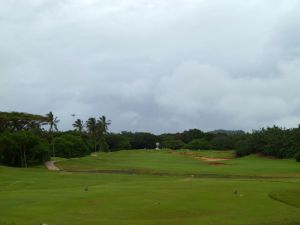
x,y
25,141
117,142
275,141
70,146
93,135
198,144
15,121
22,140
169,141
141,140
297,157
223,142
22,149
191,139
189,135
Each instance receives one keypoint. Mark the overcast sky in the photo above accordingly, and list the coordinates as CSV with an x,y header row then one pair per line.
x,y
153,65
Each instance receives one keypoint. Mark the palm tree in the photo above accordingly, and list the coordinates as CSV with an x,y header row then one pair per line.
x,y
91,125
103,124
52,121
78,125
97,129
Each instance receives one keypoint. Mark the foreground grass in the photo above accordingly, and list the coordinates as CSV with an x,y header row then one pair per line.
x,y
35,196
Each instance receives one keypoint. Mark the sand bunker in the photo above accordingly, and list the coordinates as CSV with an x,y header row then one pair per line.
x,y
51,166
212,159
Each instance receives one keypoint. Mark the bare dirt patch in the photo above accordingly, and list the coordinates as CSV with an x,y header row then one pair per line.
x,y
203,158
51,166
212,159
216,163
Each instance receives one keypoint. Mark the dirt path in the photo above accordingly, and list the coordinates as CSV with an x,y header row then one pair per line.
x,y
51,166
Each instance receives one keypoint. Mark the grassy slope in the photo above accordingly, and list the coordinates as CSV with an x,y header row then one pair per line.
x,y
34,196
175,163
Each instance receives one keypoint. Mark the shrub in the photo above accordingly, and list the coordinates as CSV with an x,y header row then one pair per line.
x,y
22,149
222,142
297,157
172,143
198,144
68,146
117,142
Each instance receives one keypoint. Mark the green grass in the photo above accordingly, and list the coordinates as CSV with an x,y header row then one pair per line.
x,y
57,159
34,196
174,162
288,196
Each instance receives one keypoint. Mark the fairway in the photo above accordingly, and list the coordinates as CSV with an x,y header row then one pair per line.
x,y
184,162
157,188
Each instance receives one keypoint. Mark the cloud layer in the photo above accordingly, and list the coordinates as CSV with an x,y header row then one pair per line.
x,y
158,66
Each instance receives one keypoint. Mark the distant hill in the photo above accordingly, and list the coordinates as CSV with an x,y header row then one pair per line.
x,y
229,132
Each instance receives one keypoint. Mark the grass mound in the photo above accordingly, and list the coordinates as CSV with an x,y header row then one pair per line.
x,y
289,197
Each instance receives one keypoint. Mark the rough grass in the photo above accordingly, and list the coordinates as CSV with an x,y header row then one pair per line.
x,y
35,196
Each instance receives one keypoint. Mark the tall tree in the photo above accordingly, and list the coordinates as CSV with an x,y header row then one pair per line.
x,y
52,121
78,125
102,126
17,121
22,148
91,125
96,130
104,123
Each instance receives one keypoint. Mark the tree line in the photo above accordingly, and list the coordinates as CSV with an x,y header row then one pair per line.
x,y
271,141
28,139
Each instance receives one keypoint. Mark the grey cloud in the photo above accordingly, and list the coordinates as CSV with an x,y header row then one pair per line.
x,y
247,102
157,66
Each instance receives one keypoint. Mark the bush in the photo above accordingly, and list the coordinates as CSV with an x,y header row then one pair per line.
x,y
222,142
172,143
243,148
141,140
104,147
297,157
192,134
198,144
117,142
69,146
22,149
